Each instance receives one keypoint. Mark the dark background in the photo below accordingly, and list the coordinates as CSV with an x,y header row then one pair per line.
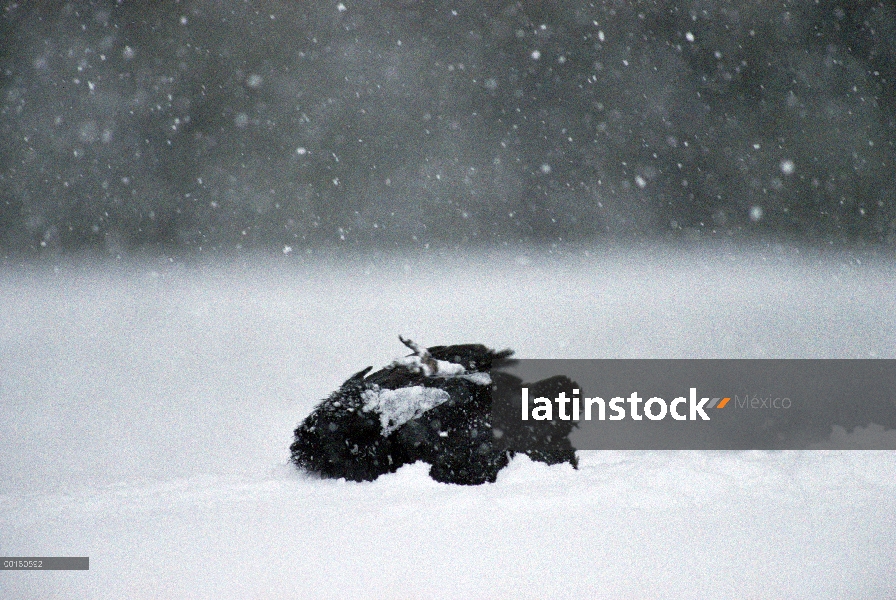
x,y
205,125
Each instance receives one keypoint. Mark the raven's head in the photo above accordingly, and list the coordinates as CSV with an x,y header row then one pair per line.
x,y
472,357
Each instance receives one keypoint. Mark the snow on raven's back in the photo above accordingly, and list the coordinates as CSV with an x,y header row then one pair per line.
x,y
435,405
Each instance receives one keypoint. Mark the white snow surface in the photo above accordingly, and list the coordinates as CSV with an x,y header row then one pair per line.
x,y
397,407
148,409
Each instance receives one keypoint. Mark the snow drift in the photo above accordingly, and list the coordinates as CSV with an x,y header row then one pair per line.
x,y
149,407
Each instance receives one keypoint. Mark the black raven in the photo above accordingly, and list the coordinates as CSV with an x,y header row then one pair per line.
x,y
449,406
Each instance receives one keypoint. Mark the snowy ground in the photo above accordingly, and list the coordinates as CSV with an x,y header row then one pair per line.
x,y
148,410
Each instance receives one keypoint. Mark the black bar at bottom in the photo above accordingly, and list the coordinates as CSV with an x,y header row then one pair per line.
x,y
44,563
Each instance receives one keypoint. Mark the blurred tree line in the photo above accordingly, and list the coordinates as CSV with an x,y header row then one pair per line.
x,y
212,124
